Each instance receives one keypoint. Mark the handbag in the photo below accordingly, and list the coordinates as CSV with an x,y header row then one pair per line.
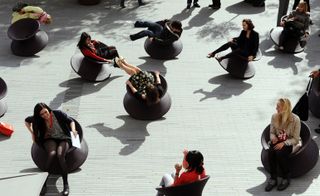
x,y
302,107
6,129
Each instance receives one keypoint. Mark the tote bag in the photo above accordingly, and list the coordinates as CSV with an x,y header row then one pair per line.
x,y
302,107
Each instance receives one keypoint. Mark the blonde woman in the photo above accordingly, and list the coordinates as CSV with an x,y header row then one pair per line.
x,y
284,139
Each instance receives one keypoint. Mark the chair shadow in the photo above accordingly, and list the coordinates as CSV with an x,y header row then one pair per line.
x,y
311,49
3,138
243,8
76,88
31,170
202,18
131,134
184,14
297,186
281,60
153,65
228,87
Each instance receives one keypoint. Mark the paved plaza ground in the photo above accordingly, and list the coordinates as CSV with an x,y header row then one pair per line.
x,y
212,112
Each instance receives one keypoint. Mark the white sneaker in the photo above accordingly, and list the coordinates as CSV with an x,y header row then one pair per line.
x,y
118,61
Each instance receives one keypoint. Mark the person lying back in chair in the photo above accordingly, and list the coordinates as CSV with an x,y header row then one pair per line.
x,y
163,32
23,10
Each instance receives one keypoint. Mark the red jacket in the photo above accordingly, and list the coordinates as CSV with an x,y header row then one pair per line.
x,y
188,177
88,53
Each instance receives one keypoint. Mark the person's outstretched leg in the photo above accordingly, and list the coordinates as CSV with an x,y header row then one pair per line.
x,y
62,150
50,146
222,48
282,38
142,34
130,70
167,180
51,149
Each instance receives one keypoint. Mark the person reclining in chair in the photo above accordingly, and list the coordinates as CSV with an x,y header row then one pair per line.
x,y
23,10
163,32
296,24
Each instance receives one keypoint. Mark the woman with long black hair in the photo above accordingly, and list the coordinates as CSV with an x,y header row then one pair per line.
x,y
97,50
51,130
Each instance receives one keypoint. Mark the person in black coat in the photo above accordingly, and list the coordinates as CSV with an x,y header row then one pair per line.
x,y
51,130
163,32
246,45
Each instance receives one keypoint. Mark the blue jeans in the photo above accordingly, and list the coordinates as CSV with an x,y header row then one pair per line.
x,y
154,30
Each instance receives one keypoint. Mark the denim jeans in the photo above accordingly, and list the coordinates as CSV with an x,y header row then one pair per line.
x,y
154,29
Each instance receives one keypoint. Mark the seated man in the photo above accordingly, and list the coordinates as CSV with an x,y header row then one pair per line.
x,y
163,32
23,10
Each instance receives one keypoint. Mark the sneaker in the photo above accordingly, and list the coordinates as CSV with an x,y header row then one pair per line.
x,y
283,185
115,63
188,6
132,37
121,58
196,5
117,60
142,4
270,185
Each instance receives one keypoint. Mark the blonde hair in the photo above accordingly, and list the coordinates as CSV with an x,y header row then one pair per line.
x,y
282,118
305,6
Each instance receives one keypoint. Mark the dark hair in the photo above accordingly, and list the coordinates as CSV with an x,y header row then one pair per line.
x,y
152,94
176,24
249,23
195,161
82,42
18,6
39,124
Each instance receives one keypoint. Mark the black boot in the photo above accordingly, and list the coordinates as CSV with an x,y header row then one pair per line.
x,y
65,191
137,36
141,3
122,4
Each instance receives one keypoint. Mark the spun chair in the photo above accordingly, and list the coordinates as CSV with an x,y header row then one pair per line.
x,y
75,157
90,69
191,189
291,44
314,97
3,93
301,161
159,51
239,67
142,111
27,38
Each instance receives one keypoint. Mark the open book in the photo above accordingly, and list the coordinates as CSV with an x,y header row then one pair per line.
x,y
75,140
